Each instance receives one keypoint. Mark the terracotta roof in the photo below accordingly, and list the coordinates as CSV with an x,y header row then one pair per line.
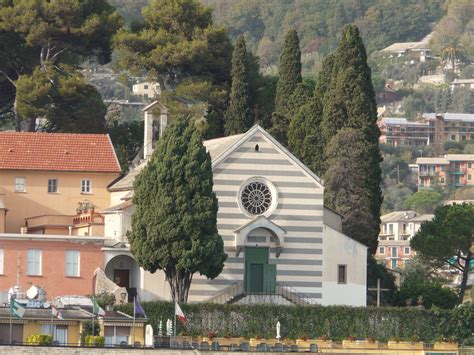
x,y
57,152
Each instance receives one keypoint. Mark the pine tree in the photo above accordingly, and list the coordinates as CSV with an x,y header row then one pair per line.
x,y
289,76
346,183
350,102
174,225
237,117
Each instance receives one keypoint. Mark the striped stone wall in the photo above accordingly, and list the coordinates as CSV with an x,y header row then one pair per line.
x,y
299,212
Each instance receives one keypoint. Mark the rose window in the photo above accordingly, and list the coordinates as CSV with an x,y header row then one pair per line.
x,y
256,198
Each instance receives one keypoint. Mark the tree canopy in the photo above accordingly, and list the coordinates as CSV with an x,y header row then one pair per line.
x,y
44,33
176,40
447,240
174,224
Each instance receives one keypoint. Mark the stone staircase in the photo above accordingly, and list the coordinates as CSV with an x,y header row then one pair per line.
x,y
283,295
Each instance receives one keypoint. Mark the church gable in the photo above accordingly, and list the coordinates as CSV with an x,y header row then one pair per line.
x,y
258,182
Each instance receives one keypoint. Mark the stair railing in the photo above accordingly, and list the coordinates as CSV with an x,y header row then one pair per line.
x,y
228,293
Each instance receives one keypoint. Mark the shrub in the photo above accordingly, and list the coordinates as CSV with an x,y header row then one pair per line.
x,y
96,340
335,322
39,339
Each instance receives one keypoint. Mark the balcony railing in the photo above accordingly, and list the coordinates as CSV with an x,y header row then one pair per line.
x,y
427,173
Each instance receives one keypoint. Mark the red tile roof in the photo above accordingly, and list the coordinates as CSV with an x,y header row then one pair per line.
x,y
57,152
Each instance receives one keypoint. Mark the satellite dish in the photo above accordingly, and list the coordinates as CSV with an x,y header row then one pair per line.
x,y
32,292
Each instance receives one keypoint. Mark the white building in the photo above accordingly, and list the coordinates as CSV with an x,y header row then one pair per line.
x,y
279,238
147,90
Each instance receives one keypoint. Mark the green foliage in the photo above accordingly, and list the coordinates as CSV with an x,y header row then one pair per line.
x,y
423,201
346,186
287,100
179,47
97,340
174,223
237,116
64,98
350,103
289,72
336,322
87,330
39,339
394,197
43,33
447,239
304,133
127,138
419,285
177,40
319,23
387,22
105,299
452,145
79,27
377,271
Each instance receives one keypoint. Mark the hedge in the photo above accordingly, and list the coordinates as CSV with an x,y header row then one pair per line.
x,y
39,339
335,322
96,340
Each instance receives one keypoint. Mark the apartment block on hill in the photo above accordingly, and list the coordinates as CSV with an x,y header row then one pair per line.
x,y
431,129
396,231
452,170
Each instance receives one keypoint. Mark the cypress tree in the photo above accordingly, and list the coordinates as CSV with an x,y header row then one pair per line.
x,y
350,102
238,118
289,72
174,224
304,134
346,183
289,76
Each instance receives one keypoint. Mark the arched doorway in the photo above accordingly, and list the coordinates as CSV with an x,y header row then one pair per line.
x,y
124,271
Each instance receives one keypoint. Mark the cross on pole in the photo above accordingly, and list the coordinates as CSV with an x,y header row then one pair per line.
x,y
378,289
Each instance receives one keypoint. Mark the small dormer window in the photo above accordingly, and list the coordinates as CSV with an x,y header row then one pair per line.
x,y
257,148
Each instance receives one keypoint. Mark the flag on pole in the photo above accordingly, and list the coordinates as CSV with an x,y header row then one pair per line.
x,y
56,313
16,309
138,309
96,309
179,313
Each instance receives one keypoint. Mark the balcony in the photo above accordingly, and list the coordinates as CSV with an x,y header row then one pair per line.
x,y
427,173
457,170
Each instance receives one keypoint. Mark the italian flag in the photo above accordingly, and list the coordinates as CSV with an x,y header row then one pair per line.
x,y
179,313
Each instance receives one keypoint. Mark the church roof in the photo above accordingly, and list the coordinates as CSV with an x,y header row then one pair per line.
x,y
215,147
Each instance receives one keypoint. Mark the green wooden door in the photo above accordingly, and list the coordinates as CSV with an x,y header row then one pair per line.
x,y
269,278
260,276
256,278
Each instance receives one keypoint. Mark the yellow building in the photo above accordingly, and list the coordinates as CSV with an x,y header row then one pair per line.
x,y
39,321
116,327
48,174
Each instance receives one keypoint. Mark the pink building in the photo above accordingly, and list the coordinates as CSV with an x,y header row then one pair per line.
x,y
452,170
396,231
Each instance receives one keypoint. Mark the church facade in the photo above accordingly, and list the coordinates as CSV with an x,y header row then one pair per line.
x,y
279,237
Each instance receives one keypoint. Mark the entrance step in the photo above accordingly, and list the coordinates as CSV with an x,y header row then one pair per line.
x,y
263,299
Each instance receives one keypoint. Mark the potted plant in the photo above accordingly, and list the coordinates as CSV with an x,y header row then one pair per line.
x,y
413,344
353,343
445,344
